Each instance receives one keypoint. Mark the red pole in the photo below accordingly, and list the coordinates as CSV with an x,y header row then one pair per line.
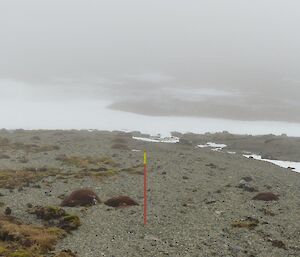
x,y
145,188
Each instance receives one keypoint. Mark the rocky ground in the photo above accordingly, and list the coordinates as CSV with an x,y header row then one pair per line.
x,y
200,201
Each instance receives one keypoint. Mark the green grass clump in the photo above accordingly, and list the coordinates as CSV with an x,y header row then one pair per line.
x,y
11,179
21,240
69,222
56,217
249,223
3,250
20,253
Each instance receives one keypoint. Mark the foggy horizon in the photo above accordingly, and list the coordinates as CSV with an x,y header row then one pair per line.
x,y
234,60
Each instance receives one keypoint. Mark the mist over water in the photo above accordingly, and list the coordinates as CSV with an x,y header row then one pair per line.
x,y
25,106
201,66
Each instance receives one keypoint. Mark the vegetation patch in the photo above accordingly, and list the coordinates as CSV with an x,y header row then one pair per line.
x,y
248,222
266,196
107,173
56,217
11,179
24,240
81,197
120,201
136,169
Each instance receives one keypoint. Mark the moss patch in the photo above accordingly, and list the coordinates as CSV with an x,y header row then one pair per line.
x,y
248,222
11,179
56,217
22,240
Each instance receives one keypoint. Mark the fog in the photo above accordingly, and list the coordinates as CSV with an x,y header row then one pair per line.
x,y
233,59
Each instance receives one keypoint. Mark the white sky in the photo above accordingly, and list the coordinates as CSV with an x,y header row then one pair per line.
x,y
156,57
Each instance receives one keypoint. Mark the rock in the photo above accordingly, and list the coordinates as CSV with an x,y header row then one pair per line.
x,y
247,179
60,157
185,142
211,165
29,205
278,244
150,237
4,156
268,156
267,212
120,201
246,186
209,201
219,212
81,197
7,211
266,196
185,177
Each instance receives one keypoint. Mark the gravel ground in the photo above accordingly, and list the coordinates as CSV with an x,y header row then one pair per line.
x,y
195,195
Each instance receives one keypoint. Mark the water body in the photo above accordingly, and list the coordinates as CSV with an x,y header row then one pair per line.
x,y
96,115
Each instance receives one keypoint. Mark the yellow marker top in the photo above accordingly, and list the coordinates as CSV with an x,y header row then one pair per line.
x,y
145,157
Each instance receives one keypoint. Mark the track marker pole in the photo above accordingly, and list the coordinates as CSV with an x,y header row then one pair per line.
x,y
145,188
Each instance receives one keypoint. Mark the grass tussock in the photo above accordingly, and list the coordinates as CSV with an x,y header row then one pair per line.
x,y
56,217
120,201
24,240
136,169
107,173
249,223
11,179
81,197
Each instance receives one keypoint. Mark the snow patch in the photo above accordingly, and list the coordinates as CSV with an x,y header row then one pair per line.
x,y
217,147
295,166
171,140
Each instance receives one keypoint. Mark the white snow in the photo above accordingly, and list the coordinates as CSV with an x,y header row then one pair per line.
x,y
284,164
171,140
217,147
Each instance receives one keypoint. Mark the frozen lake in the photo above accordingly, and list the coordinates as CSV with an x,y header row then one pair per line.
x,y
95,115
